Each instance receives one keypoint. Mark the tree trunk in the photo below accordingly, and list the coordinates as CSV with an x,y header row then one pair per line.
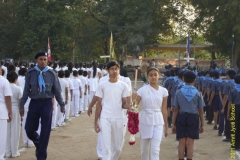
x,y
236,53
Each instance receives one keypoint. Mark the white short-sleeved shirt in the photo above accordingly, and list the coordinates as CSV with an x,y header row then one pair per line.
x,y
151,105
76,83
83,81
104,72
64,85
64,68
112,94
5,71
16,94
70,85
5,90
21,82
91,75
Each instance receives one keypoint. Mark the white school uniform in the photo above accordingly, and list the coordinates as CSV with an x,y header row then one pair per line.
x,y
76,96
54,114
64,68
93,82
111,118
13,130
26,140
68,105
81,100
5,73
5,90
151,121
64,86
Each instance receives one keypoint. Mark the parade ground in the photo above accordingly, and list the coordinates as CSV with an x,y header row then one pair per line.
x,y
77,141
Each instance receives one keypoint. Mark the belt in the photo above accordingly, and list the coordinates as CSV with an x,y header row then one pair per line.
x,y
187,113
41,99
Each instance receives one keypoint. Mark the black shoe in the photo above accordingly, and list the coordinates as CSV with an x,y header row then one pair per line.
x,y
215,127
209,122
226,140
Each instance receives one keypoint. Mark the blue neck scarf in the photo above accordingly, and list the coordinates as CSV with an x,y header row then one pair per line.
x,y
231,81
175,79
189,92
41,82
181,83
219,80
237,87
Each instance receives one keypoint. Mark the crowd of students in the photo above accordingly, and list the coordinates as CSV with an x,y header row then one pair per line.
x,y
180,104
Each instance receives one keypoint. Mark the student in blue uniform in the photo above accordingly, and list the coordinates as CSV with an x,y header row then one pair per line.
x,y
230,84
188,108
214,100
234,98
41,86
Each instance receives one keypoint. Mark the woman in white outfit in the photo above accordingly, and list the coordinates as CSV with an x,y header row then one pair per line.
x,y
153,117
94,74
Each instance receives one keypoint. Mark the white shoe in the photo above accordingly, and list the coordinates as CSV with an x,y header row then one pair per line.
x,y
16,155
76,115
7,155
30,145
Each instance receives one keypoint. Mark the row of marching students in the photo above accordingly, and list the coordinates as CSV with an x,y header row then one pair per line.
x,y
218,94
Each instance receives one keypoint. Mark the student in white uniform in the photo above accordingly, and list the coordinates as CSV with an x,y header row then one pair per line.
x,y
21,83
113,95
84,91
4,69
5,112
70,94
77,94
153,117
94,74
13,129
64,93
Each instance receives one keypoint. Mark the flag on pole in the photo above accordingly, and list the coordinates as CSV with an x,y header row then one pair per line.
x,y
49,51
111,47
188,47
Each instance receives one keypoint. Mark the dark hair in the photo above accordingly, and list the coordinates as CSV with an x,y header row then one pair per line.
x,y
64,63
94,66
49,63
151,69
12,76
55,66
80,72
167,73
22,71
85,73
80,65
180,75
112,63
61,74
75,73
121,63
231,73
76,65
172,72
215,74
237,79
176,71
11,68
67,73
189,76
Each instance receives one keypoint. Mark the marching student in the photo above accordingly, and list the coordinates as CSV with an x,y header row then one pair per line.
x,y
84,91
64,93
13,127
113,95
70,95
227,87
188,108
77,94
94,74
153,117
5,112
214,100
234,98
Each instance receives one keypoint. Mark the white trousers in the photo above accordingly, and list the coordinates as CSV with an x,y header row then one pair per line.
x,y
99,145
81,102
25,138
151,147
85,105
60,117
112,138
75,102
67,107
54,114
13,132
90,96
3,137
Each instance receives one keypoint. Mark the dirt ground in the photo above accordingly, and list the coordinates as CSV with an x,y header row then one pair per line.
x,y
77,141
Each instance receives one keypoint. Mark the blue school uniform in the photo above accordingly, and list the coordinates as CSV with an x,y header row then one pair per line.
x,y
234,97
187,123
216,99
221,115
168,85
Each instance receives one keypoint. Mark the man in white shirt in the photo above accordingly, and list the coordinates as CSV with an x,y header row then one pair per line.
x,y
4,69
5,112
70,94
113,95
84,90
